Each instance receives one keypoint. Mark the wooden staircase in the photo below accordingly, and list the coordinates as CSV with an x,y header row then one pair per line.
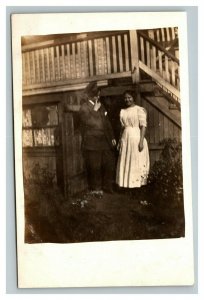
x,y
161,65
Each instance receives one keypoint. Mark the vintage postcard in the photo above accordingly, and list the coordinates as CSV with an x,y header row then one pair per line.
x,y
102,149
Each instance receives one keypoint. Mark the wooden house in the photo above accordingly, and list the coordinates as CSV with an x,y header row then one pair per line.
x,y
57,69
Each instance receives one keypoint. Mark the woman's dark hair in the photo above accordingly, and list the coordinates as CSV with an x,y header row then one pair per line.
x,y
130,92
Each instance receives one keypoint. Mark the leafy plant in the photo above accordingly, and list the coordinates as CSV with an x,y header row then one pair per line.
x,y
165,179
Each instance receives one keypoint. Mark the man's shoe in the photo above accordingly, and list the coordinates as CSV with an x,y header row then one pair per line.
x,y
98,193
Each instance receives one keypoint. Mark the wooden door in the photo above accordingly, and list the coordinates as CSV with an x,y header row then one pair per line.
x,y
74,167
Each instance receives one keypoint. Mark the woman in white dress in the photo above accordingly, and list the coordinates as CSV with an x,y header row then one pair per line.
x,y
133,161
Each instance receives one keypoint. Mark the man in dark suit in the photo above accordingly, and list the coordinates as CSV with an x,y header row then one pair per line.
x,y
98,142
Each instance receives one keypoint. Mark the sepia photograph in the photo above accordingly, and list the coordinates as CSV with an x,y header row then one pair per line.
x,y
100,139
102,136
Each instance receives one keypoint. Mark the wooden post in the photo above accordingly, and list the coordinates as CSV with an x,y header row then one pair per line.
x,y
134,50
134,55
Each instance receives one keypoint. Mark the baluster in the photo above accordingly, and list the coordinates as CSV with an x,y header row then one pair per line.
x,y
167,68
158,35
153,62
160,63
148,53
84,44
168,34
28,68
178,79
52,63
63,71
48,64
173,73
90,58
99,56
127,66
78,61
114,55
82,59
58,63
38,65
73,61
173,33
120,54
108,55
142,49
68,61
105,56
43,65
96,56
24,69
31,67
65,62
151,34
163,35
33,60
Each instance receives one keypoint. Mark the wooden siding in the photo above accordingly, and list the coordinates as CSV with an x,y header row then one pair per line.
x,y
159,127
39,159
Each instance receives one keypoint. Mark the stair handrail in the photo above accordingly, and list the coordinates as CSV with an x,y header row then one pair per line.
x,y
159,79
161,48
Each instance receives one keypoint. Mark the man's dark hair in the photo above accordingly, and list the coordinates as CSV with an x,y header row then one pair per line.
x,y
92,89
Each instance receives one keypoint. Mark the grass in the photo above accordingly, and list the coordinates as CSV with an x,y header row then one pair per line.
x,y
50,218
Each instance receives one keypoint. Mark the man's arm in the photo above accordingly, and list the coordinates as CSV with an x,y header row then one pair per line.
x,y
87,115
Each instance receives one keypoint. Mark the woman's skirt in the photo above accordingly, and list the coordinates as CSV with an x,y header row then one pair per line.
x,y
133,166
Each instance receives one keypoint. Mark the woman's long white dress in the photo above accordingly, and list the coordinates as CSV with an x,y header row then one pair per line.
x,y
132,166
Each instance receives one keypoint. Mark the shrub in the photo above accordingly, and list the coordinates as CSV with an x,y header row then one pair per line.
x,y
165,179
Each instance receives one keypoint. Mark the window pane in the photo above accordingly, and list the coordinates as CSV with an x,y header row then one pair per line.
x,y
52,115
27,138
27,118
44,115
46,137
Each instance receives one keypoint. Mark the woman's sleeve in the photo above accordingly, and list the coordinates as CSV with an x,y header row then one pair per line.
x,y
142,115
121,120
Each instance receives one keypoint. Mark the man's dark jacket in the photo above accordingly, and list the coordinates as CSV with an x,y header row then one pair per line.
x,y
97,133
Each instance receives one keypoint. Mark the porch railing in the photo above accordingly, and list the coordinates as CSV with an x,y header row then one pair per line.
x,y
163,34
89,58
108,55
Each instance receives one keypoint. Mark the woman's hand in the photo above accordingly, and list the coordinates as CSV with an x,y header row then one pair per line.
x,y
118,146
140,146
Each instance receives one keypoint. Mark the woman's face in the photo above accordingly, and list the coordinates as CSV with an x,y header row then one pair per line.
x,y
129,101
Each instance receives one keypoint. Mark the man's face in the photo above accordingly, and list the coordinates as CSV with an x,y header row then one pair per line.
x,y
96,97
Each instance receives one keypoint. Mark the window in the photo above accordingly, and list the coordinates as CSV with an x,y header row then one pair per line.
x,y
40,126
